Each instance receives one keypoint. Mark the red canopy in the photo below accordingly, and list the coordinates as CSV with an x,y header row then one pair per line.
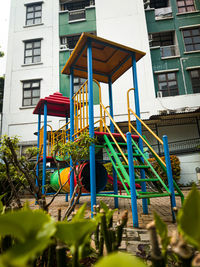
x,y
57,105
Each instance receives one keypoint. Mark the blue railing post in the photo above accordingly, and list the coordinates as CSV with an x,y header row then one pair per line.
x,y
115,186
132,180
44,149
139,129
91,127
66,129
38,146
169,175
71,128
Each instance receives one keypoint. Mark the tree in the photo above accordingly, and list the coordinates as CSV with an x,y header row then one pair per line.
x,y
78,152
19,172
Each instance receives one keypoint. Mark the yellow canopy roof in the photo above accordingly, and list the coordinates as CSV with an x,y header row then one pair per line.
x,y
109,59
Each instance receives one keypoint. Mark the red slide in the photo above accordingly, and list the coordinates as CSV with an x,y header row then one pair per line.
x,y
120,185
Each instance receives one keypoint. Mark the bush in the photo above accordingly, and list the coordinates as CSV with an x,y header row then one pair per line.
x,y
175,163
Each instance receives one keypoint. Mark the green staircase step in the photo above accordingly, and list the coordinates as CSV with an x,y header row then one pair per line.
x,y
137,166
126,154
150,195
146,180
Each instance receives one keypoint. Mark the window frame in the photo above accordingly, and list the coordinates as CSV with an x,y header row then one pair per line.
x,y
167,80
191,36
32,49
186,6
192,81
31,89
33,5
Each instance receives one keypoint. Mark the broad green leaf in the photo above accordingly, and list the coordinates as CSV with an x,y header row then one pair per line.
x,y
104,206
33,229
1,204
119,260
189,218
75,233
162,230
24,224
80,213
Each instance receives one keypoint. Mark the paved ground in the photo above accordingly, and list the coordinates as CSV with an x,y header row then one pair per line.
x,y
132,238
159,205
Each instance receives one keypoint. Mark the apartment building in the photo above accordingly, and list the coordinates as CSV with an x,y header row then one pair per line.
x,y
42,35
174,40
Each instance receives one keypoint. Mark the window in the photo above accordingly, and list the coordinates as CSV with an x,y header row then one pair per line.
x,y
192,39
195,79
162,39
158,3
167,43
185,6
31,92
32,53
167,84
77,83
77,14
76,5
33,14
69,41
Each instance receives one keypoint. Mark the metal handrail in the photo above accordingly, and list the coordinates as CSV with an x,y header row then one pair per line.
x,y
130,126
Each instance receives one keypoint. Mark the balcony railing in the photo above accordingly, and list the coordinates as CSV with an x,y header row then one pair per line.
x,y
179,147
161,13
169,51
77,14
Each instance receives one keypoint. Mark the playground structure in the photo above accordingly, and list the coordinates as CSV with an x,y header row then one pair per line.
x,y
99,60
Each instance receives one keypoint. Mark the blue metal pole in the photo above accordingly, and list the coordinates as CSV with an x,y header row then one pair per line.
x,y
169,175
115,186
38,146
44,149
66,129
91,127
66,196
132,180
139,128
71,128
111,103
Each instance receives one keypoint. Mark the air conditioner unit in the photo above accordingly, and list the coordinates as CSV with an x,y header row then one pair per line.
x,y
63,46
159,94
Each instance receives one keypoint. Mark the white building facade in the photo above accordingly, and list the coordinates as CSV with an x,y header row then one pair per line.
x,y
33,63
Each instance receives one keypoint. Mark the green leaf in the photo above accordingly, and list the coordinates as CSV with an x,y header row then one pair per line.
x,y
75,233
119,260
189,218
33,229
104,206
80,213
162,230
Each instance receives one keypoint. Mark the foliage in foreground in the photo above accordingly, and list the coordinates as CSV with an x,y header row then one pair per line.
x,y
33,238
182,248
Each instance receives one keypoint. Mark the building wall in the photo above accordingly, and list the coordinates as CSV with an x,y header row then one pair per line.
x,y
179,63
189,163
18,120
73,28
125,24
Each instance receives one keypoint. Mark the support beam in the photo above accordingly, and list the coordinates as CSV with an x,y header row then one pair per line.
x,y
115,186
38,146
91,126
132,181
44,149
71,128
169,176
139,128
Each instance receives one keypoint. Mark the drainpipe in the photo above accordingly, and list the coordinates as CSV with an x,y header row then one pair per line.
x,y
182,70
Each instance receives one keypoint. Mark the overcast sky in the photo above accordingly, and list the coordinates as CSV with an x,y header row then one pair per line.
x,y
4,24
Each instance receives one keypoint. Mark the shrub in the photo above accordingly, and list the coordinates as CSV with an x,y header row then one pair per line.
x,y
175,163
